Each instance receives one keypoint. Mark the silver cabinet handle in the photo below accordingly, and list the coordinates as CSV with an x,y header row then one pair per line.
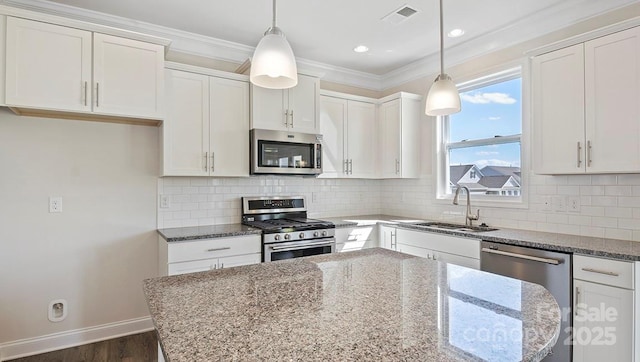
x,y
221,265
397,166
605,272
577,300
213,161
394,244
286,118
97,94
219,249
346,167
350,166
522,256
206,161
588,153
291,118
85,93
579,149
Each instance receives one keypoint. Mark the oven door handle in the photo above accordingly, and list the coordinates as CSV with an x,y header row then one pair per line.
x,y
300,246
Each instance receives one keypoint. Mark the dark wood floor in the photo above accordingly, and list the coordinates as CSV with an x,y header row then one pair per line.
x,y
141,347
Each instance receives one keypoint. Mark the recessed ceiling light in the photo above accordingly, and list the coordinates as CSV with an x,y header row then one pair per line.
x,y
455,33
361,49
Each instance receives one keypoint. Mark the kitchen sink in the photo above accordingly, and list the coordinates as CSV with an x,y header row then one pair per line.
x,y
455,227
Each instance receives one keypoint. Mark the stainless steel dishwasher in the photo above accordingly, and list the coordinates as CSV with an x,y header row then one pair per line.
x,y
550,269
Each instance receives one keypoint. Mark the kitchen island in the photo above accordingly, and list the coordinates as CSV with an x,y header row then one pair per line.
x,y
373,304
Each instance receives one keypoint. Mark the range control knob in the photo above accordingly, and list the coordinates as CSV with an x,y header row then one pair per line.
x,y
277,237
287,236
324,233
301,235
315,234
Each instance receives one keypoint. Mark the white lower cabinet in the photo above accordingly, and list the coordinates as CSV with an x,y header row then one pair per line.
x,y
603,316
387,236
435,246
356,238
207,254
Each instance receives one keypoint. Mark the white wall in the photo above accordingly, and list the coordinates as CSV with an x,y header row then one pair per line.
x,y
95,253
206,201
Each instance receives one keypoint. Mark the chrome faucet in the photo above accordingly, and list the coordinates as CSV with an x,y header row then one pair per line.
x,y
469,217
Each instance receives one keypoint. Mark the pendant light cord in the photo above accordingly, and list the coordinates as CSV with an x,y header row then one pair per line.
x,y
441,41
274,14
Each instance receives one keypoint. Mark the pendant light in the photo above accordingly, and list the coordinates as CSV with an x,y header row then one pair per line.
x,y
273,64
443,98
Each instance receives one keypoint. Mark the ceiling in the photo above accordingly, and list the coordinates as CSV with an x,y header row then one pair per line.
x,y
326,31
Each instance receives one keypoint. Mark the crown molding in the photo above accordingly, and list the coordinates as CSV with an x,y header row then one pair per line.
x,y
551,19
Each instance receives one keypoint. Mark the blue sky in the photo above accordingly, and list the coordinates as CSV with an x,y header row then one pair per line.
x,y
488,112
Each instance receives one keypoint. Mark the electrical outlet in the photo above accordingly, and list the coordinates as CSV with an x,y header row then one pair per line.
x,y
58,310
573,203
55,204
164,202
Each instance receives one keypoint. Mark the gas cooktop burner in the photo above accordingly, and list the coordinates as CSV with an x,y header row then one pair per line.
x,y
290,225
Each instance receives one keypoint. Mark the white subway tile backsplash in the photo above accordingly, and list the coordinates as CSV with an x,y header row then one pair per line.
x,y
604,180
618,190
613,233
604,201
607,222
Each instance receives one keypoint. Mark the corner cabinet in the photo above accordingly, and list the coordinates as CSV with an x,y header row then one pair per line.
x,y
603,316
294,109
206,131
57,70
399,133
349,144
585,107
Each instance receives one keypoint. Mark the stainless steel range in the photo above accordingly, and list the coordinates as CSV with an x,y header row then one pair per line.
x,y
286,231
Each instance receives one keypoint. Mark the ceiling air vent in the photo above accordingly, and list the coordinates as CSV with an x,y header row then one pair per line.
x,y
399,15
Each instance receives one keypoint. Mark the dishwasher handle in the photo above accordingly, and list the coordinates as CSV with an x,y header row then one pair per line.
x,y
522,256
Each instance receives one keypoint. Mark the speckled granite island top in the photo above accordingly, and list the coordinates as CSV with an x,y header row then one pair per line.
x,y
206,232
373,304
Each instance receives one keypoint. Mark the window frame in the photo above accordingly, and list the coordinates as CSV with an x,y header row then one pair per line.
x,y
442,192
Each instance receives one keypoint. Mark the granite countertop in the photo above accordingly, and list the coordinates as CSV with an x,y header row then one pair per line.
x,y
602,247
206,232
371,304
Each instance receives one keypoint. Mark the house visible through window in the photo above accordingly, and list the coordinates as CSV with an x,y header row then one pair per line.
x,y
482,142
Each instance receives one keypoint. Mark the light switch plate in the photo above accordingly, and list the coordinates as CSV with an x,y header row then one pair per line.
x,y
55,204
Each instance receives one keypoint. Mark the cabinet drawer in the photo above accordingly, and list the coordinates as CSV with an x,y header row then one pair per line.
x,y
213,248
603,271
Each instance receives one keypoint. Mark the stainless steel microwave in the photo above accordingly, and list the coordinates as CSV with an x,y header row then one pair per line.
x,y
285,153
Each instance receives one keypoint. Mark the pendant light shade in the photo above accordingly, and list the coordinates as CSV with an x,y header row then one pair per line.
x,y
273,64
443,97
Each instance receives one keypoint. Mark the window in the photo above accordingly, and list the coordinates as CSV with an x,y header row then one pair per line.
x,y
482,143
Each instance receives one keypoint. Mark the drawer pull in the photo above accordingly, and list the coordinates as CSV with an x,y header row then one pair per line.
x,y
591,270
219,249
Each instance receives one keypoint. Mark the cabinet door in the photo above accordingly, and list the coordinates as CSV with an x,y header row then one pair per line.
x,y
558,111
185,131
267,109
412,250
410,137
229,130
602,322
239,260
454,259
387,235
191,266
612,90
361,139
47,66
303,104
390,128
128,76
333,112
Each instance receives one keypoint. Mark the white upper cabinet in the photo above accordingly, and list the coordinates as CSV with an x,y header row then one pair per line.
x,y
52,68
229,127
399,134
128,77
48,66
585,107
206,132
294,109
361,145
612,97
349,138
185,130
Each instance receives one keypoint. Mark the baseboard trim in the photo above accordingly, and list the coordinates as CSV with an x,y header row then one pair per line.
x,y
77,337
